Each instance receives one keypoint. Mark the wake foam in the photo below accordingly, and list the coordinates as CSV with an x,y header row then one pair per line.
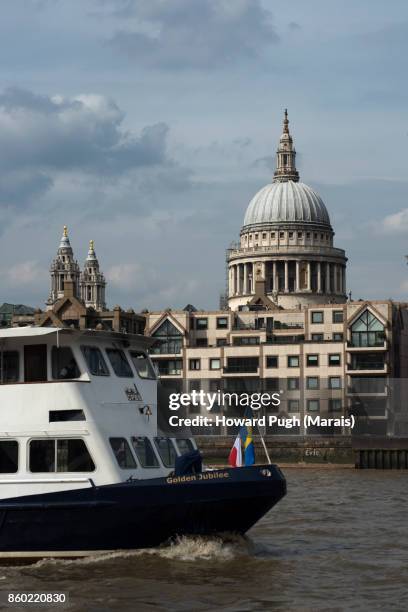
x,y
184,548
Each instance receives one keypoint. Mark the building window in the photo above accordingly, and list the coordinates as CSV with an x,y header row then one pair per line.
x,y
271,361
202,323
367,331
313,405
315,236
337,316
293,384
317,337
247,365
300,234
215,364
221,342
293,405
312,360
273,235
201,342
334,382
335,404
317,316
264,236
312,382
271,384
308,235
222,322
245,340
338,337
171,339
194,364
8,456
293,361
170,367
281,234
334,359
290,234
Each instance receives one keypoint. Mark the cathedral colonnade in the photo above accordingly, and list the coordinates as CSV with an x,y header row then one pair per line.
x,y
289,276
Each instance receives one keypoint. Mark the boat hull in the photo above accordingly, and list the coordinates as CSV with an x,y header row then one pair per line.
x,y
140,513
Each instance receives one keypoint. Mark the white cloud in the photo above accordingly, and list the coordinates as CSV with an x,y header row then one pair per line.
x,y
396,223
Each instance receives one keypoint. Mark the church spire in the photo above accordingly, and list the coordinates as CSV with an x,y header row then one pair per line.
x,y
285,156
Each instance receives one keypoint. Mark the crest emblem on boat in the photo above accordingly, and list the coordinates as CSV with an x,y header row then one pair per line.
x,y
133,395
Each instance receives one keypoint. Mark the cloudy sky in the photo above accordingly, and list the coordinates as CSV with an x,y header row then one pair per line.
x,y
147,125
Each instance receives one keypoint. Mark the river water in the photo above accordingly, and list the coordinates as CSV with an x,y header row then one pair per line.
x,y
337,541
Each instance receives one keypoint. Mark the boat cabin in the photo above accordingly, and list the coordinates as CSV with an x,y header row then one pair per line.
x,y
78,409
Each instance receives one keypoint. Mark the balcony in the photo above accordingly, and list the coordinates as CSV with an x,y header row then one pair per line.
x,y
378,347
239,370
367,367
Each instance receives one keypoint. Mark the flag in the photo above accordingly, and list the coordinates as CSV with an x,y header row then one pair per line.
x,y
243,440
235,456
248,442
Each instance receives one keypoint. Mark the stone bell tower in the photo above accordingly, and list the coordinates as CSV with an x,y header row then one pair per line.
x,y
93,282
64,272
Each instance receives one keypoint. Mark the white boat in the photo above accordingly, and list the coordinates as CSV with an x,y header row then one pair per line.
x,y
83,467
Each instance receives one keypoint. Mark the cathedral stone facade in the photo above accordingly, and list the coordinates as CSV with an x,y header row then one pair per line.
x,y
286,252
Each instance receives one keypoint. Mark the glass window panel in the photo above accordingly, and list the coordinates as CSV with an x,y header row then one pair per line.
x,y
293,405
293,384
312,382
73,456
64,365
123,454
143,365
9,366
119,363
95,361
313,405
8,456
166,450
42,456
184,445
144,451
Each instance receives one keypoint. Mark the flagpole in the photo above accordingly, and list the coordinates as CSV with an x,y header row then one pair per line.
x,y
263,444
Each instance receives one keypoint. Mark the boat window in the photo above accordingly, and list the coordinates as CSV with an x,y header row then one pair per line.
x,y
143,365
184,445
73,456
94,359
144,451
56,416
35,363
166,450
68,455
8,456
123,454
64,366
119,363
9,366
42,456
